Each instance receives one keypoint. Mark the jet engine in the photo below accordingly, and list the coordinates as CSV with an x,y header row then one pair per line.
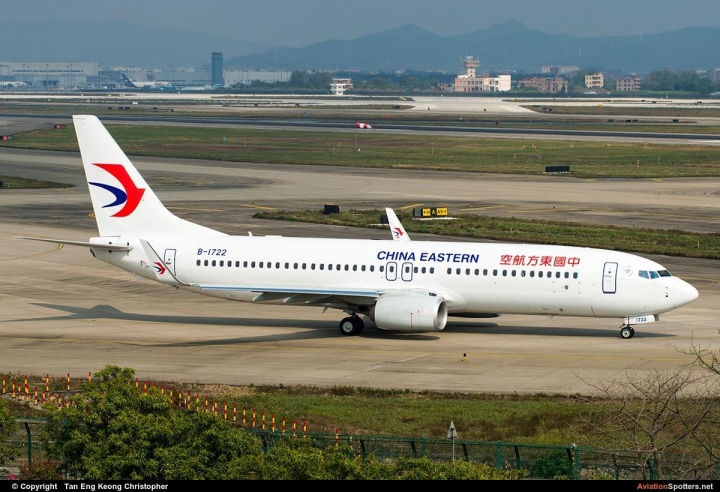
x,y
410,312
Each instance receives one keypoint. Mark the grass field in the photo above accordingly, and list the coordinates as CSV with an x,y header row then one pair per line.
x,y
381,150
631,239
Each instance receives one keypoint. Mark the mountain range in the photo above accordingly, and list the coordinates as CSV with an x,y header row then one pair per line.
x,y
506,47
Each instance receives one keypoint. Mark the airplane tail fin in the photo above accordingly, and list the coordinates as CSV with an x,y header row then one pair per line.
x,y
126,80
123,203
396,226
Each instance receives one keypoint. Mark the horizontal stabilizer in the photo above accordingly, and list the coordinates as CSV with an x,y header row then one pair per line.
x,y
112,247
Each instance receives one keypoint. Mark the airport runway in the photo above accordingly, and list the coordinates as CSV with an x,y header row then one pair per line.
x,y
62,312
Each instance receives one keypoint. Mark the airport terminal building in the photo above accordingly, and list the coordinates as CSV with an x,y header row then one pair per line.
x,y
49,74
84,75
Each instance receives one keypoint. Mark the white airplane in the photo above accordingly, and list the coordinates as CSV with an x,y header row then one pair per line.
x,y
12,84
403,286
145,85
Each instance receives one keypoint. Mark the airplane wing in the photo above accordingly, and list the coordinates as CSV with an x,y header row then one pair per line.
x,y
396,227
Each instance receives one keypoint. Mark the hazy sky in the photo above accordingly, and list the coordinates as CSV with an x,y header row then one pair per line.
x,y
301,22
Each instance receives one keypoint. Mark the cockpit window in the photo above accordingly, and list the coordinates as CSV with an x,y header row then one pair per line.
x,y
651,274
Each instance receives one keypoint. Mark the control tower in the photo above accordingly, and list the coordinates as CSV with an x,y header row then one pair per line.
x,y
469,64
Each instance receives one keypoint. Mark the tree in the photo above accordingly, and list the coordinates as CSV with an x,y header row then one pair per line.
x,y
8,426
669,421
112,431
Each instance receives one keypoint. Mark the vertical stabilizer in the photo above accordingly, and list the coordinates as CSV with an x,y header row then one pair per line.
x,y
396,227
123,202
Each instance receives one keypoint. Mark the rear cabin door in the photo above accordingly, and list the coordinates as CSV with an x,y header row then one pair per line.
x,y
170,259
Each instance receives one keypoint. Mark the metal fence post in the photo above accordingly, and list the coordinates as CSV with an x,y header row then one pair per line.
x,y
29,443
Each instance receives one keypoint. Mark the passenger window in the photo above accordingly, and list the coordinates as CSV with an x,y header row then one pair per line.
x,y
540,274
391,269
457,270
485,272
338,268
415,270
277,265
295,266
354,268
449,271
237,264
222,263
206,263
532,273
322,266
260,265
477,272
495,273
522,273
287,266
269,264
362,268
312,266
575,275
504,273
513,273
304,266
567,274
197,263
424,269
557,274
229,263
382,268
432,269
372,268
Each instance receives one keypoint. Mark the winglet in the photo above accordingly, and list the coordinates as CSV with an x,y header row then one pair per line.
x,y
398,231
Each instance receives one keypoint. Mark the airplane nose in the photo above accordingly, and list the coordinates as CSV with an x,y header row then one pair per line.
x,y
684,293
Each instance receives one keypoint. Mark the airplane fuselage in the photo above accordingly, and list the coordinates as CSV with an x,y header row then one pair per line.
x,y
471,277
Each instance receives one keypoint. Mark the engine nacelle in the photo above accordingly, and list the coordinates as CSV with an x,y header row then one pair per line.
x,y
412,312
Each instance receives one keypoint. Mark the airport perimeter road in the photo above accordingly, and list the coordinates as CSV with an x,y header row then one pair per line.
x,y
61,311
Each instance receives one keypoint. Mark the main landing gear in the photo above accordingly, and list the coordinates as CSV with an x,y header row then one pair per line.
x,y
352,325
627,331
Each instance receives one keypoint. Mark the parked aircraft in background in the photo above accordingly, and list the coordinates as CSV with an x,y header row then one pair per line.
x,y
403,286
152,84
10,85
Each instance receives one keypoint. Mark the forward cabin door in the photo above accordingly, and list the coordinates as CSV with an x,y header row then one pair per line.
x,y
609,283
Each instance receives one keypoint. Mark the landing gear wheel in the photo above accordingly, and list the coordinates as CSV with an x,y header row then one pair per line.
x,y
352,325
627,332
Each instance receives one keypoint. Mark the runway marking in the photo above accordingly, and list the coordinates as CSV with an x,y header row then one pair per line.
x,y
196,209
252,205
410,206
483,208
57,248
